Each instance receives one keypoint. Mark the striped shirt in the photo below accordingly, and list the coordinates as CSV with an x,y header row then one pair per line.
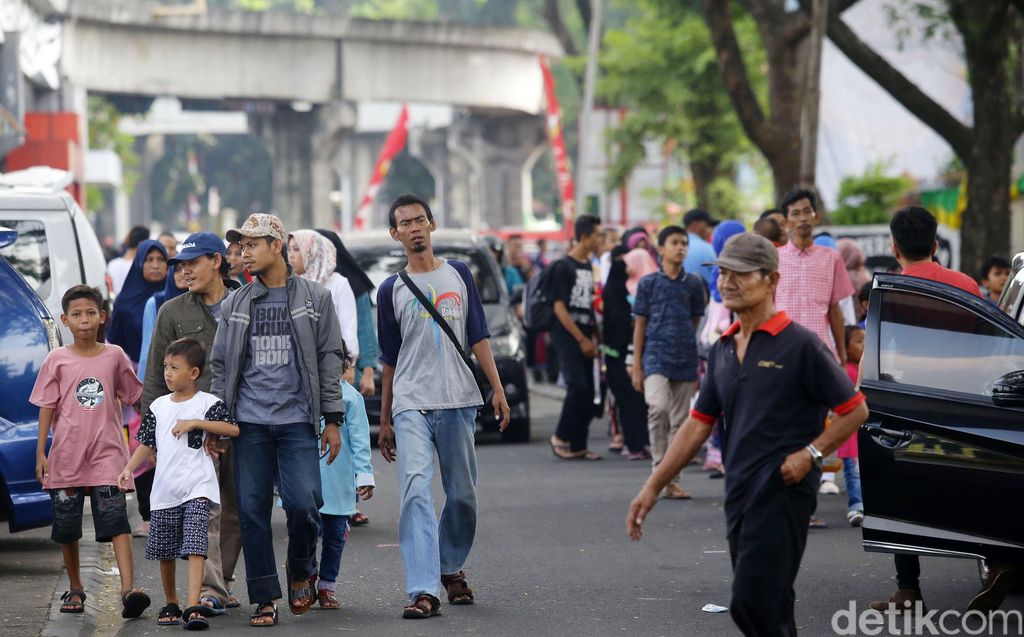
x,y
810,281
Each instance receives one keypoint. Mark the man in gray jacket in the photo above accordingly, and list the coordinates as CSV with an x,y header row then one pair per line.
x,y
277,363
194,315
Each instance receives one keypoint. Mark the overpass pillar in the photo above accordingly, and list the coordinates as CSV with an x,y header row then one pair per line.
x,y
501,146
302,145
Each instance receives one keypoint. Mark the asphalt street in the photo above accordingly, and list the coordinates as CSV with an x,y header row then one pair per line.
x,y
552,558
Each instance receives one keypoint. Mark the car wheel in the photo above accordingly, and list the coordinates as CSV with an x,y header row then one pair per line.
x,y
518,431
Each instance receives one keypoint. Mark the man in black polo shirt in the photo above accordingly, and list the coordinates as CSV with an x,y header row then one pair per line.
x,y
772,382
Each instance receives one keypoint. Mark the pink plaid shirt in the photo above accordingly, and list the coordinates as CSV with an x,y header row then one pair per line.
x,y
809,282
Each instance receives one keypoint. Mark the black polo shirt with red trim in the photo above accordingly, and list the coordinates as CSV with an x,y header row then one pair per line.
x,y
771,405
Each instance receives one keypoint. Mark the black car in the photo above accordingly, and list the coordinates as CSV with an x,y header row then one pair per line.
x,y
380,257
942,453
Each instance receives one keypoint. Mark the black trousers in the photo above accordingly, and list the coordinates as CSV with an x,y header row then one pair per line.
x,y
143,489
766,547
578,408
908,572
629,403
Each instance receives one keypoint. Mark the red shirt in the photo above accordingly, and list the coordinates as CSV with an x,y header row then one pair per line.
x,y
936,272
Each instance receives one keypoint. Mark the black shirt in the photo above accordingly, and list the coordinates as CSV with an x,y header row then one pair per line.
x,y
772,405
573,284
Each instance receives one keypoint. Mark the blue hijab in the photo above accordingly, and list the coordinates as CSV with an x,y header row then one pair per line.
x,y
170,290
126,319
724,231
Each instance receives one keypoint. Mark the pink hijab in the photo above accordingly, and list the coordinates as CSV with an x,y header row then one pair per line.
x,y
853,258
639,263
318,255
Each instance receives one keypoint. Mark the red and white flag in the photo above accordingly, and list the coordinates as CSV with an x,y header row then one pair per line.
x,y
566,188
393,145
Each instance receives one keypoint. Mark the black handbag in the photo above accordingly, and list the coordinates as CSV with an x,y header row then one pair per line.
x,y
485,395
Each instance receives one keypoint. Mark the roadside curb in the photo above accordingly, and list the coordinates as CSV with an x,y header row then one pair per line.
x,y
97,567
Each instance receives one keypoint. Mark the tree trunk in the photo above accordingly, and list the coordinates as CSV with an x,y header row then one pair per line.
x,y
703,174
986,222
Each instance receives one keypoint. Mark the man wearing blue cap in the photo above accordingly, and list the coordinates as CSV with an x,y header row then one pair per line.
x,y
195,314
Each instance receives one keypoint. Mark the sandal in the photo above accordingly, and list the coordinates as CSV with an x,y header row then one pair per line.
x,y
359,519
171,613
425,606
73,606
264,614
195,618
233,601
561,450
212,604
817,523
305,596
459,593
133,603
327,600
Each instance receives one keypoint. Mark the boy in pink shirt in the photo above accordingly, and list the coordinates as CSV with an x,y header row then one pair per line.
x,y
79,392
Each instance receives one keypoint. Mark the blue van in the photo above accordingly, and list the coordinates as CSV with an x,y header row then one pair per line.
x,y
27,334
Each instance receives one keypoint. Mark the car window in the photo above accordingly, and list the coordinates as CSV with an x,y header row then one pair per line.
x,y
380,264
30,255
932,343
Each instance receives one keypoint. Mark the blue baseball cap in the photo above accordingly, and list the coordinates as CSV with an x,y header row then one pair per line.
x,y
200,244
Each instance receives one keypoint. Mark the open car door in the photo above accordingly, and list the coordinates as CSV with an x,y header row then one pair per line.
x,y
942,452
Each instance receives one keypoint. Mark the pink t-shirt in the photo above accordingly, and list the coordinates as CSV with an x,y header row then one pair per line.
x,y
89,447
849,447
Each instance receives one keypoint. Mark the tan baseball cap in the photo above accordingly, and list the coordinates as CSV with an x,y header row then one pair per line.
x,y
748,252
258,224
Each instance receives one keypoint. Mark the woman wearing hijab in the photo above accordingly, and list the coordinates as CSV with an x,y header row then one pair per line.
x,y
366,327
618,335
853,258
146,277
639,264
313,257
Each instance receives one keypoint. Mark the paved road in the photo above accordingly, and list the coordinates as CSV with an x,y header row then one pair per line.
x,y
552,558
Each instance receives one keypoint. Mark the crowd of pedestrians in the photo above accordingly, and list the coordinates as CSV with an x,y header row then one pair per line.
x,y
239,366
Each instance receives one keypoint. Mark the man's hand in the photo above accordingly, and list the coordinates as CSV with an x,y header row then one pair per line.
x,y
588,348
212,446
330,441
41,467
365,493
386,441
638,510
796,466
183,427
638,377
501,409
124,479
366,386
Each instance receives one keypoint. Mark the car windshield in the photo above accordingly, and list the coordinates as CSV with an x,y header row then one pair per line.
x,y
379,263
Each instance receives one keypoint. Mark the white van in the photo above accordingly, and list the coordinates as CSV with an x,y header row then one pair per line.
x,y
56,247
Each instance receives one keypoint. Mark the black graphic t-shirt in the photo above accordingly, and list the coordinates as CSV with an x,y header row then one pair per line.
x,y
573,284
271,391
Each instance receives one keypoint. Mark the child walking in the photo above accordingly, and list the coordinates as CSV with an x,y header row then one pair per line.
x,y
185,486
79,392
848,452
350,474
669,305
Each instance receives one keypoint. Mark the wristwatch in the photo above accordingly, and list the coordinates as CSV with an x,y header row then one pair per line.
x,y
816,456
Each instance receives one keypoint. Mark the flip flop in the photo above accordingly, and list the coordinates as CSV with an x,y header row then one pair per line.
x,y
134,602
171,612
195,618
218,606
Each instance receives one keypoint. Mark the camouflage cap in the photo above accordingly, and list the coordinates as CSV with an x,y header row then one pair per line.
x,y
258,224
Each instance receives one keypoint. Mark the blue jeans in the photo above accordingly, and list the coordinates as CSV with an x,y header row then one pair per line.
x,y
289,453
429,549
334,531
851,475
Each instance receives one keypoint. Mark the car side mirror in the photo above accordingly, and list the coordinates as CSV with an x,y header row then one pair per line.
x,y
1008,391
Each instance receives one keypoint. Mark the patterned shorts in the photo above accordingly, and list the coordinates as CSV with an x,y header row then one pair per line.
x,y
180,531
109,513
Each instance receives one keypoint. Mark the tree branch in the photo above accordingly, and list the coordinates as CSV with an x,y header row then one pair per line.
x,y
734,71
553,16
843,5
931,113
586,14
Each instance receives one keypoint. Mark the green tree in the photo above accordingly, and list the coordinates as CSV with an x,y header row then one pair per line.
x,y
869,198
104,134
662,67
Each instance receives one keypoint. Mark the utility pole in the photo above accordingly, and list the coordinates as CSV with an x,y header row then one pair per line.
x,y
586,114
812,94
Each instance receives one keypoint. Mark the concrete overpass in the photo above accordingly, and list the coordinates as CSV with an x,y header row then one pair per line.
x,y
312,71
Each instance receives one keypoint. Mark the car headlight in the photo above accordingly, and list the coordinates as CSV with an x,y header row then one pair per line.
x,y
52,333
506,345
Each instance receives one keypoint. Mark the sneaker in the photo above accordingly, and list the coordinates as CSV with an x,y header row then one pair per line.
x,y
902,601
855,518
998,583
828,488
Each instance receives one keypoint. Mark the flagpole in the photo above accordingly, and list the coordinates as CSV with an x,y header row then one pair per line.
x,y
586,116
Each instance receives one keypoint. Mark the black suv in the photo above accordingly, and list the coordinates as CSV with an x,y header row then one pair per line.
x,y
380,257
942,453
